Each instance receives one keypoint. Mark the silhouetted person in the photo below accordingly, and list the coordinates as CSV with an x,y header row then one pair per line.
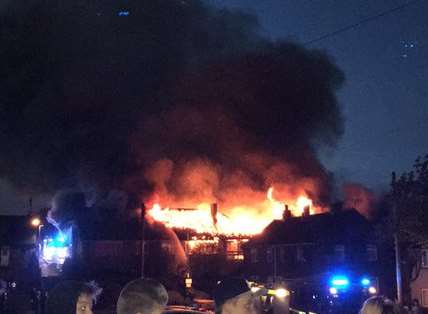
x,y
415,308
142,296
3,291
233,296
72,297
378,305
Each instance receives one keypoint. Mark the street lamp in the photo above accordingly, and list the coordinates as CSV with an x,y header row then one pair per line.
x,y
35,222
188,281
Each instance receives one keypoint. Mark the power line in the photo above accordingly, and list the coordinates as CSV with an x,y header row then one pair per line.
x,y
359,23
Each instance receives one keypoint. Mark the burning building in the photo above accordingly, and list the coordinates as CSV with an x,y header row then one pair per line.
x,y
198,111
328,260
157,241
299,247
210,231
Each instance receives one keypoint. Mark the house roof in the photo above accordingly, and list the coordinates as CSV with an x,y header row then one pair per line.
x,y
116,229
343,226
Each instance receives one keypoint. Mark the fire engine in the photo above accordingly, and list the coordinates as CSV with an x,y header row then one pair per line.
x,y
332,293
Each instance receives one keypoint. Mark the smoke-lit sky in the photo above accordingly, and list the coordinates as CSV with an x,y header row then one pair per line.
x,y
384,98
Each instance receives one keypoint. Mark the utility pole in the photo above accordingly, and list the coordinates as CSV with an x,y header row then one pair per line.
x,y
275,270
398,273
143,221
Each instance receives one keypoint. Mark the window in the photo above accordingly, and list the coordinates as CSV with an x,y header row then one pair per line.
x,y
371,253
269,255
424,254
282,254
237,257
234,250
425,297
300,254
108,248
339,253
253,255
4,256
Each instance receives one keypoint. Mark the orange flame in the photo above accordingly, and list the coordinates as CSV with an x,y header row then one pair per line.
x,y
240,220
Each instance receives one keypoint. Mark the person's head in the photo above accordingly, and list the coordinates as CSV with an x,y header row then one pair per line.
x,y
415,302
378,305
233,296
142,296
73,297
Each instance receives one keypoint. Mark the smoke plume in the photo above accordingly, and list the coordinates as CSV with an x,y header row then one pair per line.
x,y
172,99
361,198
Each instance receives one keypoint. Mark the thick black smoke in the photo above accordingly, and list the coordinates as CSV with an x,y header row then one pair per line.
x,y
138,95
251,121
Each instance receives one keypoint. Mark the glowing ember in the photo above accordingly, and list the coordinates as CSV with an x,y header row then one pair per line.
x,y
242,220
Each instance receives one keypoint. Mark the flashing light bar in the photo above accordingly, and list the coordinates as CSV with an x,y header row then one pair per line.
x,y
365,281
340,281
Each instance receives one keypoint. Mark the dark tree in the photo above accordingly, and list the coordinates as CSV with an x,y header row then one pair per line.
x,y
409,195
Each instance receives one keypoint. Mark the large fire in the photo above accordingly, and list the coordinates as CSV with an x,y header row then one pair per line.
x,y
240,220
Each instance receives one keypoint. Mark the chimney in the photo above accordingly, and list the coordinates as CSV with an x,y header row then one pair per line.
x,y
306,211
214,213
287,212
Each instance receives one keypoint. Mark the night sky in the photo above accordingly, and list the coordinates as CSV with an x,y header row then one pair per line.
x,y
385,95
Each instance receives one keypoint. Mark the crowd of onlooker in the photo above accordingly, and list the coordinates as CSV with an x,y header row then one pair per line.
x,y
148,296
382,305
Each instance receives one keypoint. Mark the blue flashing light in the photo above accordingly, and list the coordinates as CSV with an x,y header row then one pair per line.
x,y
59,241
340,281
123,13
365,281
61,238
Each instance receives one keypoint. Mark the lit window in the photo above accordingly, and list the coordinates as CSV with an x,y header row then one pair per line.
x,y
425,297
232,246
254,257
371,253
424,254
234,250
